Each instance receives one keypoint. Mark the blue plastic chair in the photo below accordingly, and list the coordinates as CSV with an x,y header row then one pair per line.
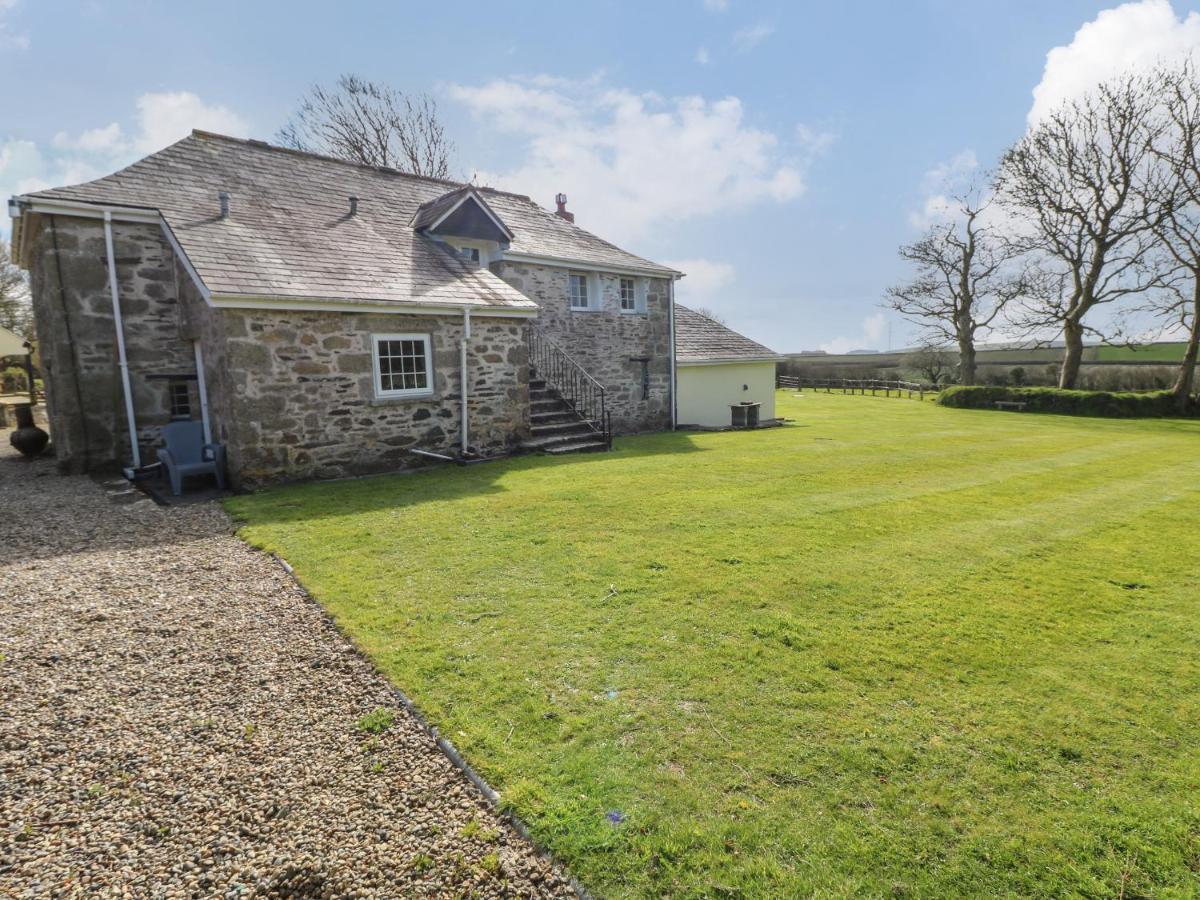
x,y
187,454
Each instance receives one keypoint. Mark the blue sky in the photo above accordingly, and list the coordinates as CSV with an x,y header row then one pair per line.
x,y
778,152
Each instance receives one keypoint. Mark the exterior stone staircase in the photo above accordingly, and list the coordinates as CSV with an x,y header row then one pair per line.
x,y
557,426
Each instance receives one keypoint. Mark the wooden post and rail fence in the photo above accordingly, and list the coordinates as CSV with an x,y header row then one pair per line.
x,y
856,386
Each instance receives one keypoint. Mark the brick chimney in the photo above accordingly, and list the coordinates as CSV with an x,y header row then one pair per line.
x,y
561,212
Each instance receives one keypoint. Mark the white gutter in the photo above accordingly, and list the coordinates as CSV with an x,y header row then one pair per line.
x,y
671,309
562,262
202,388
462,349
385,307
121,358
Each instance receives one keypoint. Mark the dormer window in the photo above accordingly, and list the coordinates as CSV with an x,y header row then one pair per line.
x,y
468,254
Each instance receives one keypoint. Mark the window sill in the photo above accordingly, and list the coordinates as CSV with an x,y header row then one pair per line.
x,y
586,309
633,312
395,399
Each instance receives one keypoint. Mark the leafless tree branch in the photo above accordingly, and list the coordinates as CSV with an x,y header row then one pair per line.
x,y
368,122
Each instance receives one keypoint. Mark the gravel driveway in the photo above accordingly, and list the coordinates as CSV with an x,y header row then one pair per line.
x,y
178,719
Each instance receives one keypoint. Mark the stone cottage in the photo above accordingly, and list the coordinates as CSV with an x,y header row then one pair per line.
x,y
323,318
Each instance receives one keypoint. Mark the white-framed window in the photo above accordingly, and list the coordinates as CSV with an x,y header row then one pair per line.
x,y
628,295
578,288
633,295
469,254
403,365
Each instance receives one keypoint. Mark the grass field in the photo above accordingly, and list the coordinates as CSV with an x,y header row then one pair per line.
x,y
891,648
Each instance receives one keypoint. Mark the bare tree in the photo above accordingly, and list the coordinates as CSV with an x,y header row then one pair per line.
x,y
15,312
1179,230
966,276
933,361
368,122
1091,190
709,313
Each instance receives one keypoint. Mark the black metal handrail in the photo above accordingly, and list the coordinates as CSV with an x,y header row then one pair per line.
x,y
583,393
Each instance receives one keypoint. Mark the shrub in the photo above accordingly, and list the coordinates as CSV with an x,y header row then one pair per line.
x,y
14,381
1124,405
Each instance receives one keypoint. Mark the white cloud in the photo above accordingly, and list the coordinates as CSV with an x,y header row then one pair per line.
x,y
716,5
10,38
165,118
939,183
872,337
160,119
702,56
750,37
1133,35
704,280
633,161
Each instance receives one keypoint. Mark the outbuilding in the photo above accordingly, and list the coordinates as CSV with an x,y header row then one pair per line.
x,y
724,378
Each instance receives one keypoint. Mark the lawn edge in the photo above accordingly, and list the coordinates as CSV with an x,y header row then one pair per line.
x,y
443,744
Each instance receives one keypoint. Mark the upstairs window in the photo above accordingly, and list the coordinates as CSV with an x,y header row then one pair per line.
x,y
469,254
628,295
578,287
403,365
633,295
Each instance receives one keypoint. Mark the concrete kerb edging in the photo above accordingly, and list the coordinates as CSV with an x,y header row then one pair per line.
x,y
443,744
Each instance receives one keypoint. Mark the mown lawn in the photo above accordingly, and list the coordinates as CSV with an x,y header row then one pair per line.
x,y
891,649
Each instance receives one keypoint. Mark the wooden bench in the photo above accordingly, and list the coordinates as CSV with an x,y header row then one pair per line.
x,y
1018,405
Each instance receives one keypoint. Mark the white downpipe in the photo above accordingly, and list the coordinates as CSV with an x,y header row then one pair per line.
x,y
462,349
121,359
671,306
202,389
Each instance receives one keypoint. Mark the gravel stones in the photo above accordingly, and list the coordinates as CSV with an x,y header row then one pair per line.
x,y
177,719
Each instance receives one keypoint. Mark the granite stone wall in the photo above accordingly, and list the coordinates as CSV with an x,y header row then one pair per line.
x,y
77,337
303,402
628,353
291,395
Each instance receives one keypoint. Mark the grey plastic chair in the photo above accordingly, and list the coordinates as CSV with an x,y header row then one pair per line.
x,y
187,454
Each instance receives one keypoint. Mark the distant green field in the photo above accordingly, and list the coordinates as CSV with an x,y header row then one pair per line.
x,y
889,650
1158,352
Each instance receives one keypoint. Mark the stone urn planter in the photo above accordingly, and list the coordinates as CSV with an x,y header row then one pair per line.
x,y
29,440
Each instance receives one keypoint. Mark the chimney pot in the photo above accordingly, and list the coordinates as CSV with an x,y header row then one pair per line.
x,y
223,196
561,212
353,205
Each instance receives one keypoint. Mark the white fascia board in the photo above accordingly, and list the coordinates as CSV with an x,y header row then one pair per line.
x,y
580,264
384,307
85,210
729,362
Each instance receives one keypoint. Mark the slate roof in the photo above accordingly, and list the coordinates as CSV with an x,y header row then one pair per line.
x,y
701,339
289,232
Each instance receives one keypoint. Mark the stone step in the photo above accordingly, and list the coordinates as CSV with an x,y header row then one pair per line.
x,y
548,441
549,405
592,445
571,426
550,416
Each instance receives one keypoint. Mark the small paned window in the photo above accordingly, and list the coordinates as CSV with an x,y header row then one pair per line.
x,y
578,286
402,365
628,295
179,399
